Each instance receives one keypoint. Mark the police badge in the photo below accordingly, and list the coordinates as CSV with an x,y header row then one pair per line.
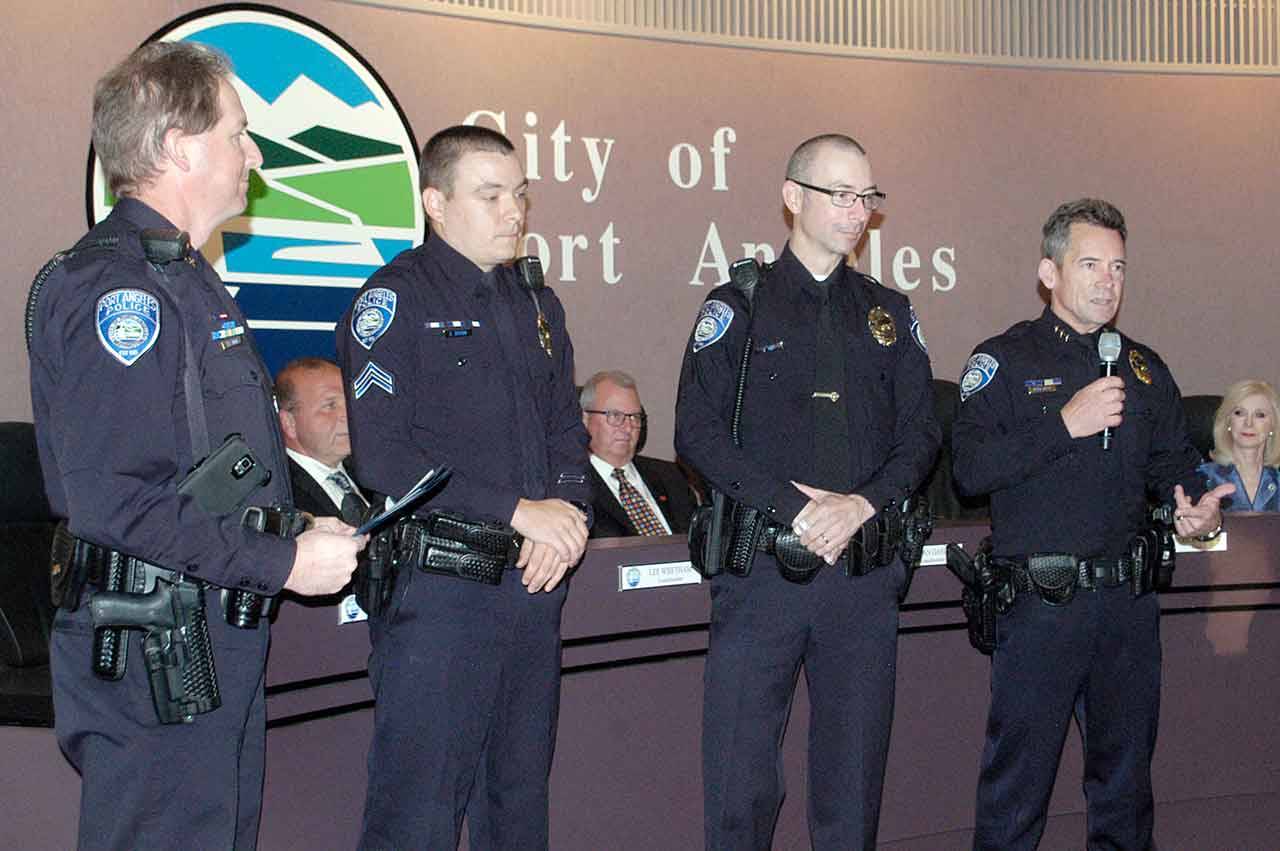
x,y
128,324
882,327
372,315
1138,364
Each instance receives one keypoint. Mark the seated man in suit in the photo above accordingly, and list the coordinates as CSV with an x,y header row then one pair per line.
x,y
631,494
313,419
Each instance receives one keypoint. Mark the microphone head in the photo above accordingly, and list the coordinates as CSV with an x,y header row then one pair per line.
x,y
1109,347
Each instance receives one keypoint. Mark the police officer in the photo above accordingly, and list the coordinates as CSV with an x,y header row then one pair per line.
x,y
450,360
1028,433
112,333
837,424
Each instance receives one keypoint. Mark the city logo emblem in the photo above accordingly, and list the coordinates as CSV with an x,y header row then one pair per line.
x,y
336,197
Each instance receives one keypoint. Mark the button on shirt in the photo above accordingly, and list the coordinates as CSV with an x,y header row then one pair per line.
x,y
605,469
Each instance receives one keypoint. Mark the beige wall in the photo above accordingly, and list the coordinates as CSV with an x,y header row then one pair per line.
x,y
973,160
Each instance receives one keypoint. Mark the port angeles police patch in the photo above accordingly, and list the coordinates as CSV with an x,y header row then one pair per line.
x,y
128,324
917,333
978,373
372,315
713,320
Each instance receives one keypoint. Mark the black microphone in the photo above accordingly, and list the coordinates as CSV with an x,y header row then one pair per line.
x,y
1108,353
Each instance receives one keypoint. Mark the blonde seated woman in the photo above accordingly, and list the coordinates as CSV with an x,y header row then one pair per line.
x,y
1246,449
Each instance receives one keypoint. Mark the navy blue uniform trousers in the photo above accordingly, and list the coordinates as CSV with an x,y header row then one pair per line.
x,y
132,764
845,632
466,712
1097,658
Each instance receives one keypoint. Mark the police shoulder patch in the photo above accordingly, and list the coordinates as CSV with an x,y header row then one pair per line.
x,y
372,315
917,333
978,372
128,324
713,321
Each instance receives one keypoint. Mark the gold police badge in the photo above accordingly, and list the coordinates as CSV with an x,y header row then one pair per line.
x,y
882,327
1138,364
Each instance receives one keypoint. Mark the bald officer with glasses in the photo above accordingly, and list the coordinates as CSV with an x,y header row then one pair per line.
x,y
631,494
836,425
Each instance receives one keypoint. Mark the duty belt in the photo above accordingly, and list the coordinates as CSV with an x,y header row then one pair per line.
x,y
455,546
1056,577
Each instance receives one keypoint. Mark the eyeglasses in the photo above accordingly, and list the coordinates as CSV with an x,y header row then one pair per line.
x,y
617,418
871,200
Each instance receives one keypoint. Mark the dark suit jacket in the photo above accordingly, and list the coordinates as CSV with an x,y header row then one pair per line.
x,y
664,481
307,493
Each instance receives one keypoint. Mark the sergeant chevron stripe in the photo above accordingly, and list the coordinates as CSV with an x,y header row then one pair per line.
x,y
374,376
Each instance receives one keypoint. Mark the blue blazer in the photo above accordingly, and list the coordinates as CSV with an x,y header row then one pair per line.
x,y
1266,499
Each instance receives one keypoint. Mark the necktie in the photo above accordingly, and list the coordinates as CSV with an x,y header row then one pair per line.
x,y
638,510
353,504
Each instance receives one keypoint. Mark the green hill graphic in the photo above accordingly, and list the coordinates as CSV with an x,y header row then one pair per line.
x,y
381,195
343,146
267,203
275,155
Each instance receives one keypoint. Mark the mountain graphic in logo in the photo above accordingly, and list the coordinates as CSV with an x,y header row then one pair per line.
x,y
337,194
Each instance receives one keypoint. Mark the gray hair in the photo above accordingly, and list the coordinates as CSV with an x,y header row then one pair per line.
x,y
587,397
161,86
1088,211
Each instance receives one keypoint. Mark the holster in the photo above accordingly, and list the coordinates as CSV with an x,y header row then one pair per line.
x,y
452,545
374,580
708,535
245,609
987,593
917,526
175,646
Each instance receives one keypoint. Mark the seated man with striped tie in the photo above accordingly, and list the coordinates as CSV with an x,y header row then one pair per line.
x,y
313,420
631,494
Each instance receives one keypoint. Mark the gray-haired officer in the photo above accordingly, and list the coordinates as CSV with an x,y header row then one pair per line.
x,y
451,357
124,326
1028,432
836,426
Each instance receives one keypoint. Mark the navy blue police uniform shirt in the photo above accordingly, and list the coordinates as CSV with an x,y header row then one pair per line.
x,y
1050,492
110,412
443,366
888,392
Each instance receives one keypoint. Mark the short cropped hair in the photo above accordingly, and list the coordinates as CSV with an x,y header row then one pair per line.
x,y
1089,211
286,388
443,150
161,86
1236,394
803,156
587,397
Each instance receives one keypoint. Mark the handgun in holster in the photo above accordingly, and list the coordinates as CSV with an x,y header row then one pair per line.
x,y
986,593
917,526
1153,552
374,579
724,536
175,645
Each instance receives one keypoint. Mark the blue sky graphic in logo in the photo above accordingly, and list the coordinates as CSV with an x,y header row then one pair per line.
x,y
337,194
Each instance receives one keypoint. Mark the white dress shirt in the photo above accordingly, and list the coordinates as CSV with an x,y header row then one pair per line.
x,y
605,469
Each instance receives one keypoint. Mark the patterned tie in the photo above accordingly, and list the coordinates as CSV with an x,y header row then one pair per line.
x,y
638,510
353,504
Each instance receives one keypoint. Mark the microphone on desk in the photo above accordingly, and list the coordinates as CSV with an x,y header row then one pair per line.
x,y
1108,353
